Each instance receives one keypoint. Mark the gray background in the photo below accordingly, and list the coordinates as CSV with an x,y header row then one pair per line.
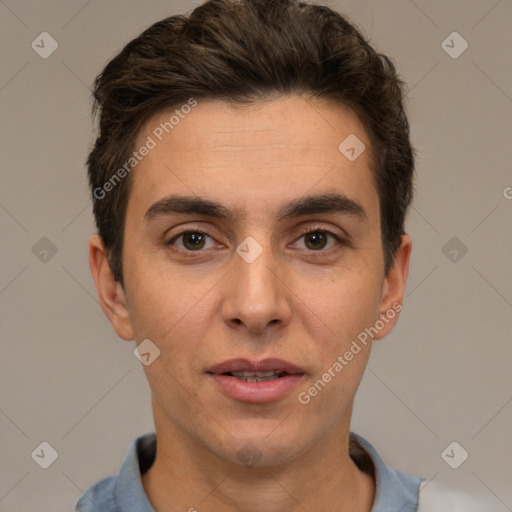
x,y
443,374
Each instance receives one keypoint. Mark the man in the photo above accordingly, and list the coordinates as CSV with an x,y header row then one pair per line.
x,y
250,183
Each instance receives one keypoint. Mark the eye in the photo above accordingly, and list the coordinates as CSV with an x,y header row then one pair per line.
x,y
193,240
316,239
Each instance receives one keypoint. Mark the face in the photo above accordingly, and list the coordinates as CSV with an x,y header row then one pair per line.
x,y
265,279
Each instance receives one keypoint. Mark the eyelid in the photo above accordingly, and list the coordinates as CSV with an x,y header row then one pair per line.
x,y
322,227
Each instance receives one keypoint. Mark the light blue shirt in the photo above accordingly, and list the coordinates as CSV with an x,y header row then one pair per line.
x,y
395,491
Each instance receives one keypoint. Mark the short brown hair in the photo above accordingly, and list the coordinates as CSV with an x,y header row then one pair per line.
x,y
242,51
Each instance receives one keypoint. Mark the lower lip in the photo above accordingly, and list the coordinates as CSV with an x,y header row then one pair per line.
x,y
262,392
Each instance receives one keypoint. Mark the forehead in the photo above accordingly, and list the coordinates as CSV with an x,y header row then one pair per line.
x,y
268,150
313,129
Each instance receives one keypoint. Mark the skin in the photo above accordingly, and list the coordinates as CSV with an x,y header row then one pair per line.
x,y
213,306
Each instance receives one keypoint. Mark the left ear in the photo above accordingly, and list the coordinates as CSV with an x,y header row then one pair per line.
x,y
393,288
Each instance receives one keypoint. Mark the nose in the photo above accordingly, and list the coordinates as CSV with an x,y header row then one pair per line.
x,y
258,296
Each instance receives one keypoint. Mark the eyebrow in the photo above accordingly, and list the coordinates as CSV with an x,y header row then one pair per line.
x,y
306,205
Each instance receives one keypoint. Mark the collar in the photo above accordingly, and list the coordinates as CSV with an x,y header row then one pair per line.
x,y
395,490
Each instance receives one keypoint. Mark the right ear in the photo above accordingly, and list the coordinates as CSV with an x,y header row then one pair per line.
x,y
110,292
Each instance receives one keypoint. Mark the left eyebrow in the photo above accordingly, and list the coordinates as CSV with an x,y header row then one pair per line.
x,y
323,203
306,205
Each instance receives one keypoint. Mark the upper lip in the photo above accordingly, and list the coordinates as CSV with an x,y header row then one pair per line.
x,y
245,365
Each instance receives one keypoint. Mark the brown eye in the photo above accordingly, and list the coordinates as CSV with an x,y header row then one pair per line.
x,y
191,240
317,240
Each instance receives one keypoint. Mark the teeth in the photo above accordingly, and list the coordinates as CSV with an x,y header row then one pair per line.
x,y
258,379
253,374
256,376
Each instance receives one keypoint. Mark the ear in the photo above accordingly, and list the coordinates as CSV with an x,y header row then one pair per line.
x,y
393,288
110,291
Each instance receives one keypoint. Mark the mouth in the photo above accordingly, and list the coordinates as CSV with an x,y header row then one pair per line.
x,y
256,376
267,369
256,382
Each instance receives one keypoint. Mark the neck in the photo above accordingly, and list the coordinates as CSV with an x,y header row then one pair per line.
x,y
188,476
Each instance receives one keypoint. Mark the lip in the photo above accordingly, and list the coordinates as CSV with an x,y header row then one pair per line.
x,y
245,365
256,392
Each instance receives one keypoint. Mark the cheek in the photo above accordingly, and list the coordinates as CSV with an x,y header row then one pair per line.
x,y
176,315
154,307
344,307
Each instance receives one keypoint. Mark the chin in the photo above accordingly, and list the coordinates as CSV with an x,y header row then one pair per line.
x,y
261,448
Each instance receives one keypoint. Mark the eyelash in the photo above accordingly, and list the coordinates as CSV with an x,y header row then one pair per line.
x,y
304,232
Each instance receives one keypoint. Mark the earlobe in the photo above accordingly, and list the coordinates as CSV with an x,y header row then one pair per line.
x,y
393,289
110,292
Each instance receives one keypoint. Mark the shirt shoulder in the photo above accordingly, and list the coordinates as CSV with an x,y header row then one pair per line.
x,y
123,492
99,496
394,490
